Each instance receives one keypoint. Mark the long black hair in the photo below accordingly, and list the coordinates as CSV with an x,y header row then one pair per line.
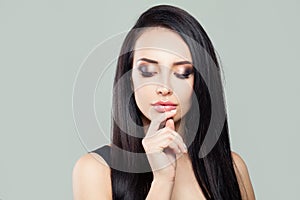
x,y
214,172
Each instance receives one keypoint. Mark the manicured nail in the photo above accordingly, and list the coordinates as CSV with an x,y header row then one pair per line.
x,y
184,145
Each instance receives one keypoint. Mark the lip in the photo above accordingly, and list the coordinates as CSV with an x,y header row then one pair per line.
x,y
163,106
164,103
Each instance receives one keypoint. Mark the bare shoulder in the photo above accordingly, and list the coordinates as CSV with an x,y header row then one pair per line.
x,y
243,176
91,178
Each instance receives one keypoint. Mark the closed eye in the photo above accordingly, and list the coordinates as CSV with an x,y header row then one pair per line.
x,y
148,74
184,75
144,72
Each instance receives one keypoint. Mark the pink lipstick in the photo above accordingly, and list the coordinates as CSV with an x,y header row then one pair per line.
x,y
163,106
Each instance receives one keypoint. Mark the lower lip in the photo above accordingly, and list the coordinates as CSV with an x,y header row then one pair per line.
x,y
160,108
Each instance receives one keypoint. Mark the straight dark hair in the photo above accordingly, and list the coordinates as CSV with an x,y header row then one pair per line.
x,y
214,172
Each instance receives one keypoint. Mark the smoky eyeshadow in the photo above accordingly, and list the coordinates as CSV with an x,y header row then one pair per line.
x,y
144,71
143,68
187,71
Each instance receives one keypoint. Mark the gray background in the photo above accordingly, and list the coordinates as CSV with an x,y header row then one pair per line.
x,y
43,44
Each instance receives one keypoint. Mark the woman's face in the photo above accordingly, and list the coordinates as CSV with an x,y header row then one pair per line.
x,y
162,73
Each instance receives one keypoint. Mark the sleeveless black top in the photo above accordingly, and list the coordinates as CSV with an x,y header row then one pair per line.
x,y
104,152
125,186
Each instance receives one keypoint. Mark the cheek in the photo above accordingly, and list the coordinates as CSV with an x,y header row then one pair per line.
x,y
143,97
184,91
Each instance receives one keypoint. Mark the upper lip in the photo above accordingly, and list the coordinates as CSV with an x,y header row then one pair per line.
x,y
164,103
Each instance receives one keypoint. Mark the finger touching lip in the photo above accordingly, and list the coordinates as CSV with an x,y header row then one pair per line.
x,y
161,114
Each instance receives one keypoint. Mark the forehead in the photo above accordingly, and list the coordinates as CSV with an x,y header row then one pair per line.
x,y
158,40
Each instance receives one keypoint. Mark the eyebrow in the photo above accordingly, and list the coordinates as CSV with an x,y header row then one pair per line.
x,y
156,62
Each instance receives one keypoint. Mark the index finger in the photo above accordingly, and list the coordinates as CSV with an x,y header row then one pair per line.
x,y
157,118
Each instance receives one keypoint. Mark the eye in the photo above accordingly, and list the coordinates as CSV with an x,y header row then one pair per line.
x,y
185,75
144,71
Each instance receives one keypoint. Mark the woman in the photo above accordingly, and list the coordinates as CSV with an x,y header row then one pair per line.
x,y
166,78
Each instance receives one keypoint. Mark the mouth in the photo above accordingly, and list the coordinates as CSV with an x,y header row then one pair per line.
x,y
164,106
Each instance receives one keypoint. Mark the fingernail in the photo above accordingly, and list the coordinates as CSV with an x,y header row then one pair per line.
x,y
173,111
184,145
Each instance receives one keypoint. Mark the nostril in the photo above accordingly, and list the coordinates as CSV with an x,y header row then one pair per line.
x,y
163,90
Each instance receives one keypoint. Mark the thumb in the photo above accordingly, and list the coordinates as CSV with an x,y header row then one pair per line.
x,y
170,124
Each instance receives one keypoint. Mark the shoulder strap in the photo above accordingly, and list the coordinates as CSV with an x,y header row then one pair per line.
x,y
104,152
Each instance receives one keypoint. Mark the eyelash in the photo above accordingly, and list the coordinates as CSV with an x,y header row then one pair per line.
x,y
183,76
150,74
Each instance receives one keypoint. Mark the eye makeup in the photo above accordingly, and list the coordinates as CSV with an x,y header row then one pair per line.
x,y
146,71
150,70
186,73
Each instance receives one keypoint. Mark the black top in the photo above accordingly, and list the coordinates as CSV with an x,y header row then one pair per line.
x,y
126,186
104,152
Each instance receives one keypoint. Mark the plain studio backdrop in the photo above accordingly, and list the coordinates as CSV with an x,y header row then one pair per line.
x,y
44,43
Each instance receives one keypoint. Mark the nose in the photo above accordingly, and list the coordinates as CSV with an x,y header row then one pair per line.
x,y
162,90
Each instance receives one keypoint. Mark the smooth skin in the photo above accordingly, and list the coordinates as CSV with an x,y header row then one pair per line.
x,y
92,181
171,165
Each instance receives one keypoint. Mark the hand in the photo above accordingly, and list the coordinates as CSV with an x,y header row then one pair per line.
x,y
163,146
